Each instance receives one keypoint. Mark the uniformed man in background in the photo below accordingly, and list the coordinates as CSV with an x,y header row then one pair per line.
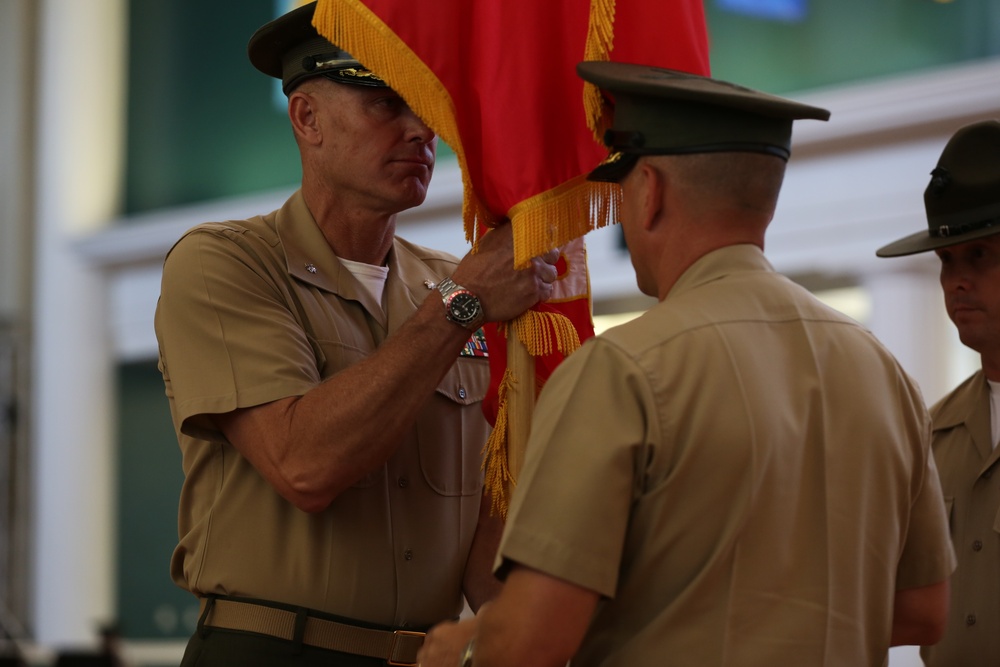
x,y
962,202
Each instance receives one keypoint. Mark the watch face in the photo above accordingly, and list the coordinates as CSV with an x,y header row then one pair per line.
x,y
463,307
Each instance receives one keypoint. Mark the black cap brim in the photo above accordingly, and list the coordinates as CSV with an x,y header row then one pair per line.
x,y
270,43
290,49
614,168
923,241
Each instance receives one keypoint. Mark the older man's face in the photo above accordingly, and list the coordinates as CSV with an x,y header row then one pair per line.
x,y
376,150
970,278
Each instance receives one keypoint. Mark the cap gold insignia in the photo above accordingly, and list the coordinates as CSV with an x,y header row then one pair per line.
x,y
356,73
612,158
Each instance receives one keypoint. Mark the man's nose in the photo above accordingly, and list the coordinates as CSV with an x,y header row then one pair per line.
x,y
417,130
955,277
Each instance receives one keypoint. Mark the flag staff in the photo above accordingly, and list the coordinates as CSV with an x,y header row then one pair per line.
x,y
521,399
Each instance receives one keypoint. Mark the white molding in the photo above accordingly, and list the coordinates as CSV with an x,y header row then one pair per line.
x,y
946,95
147,237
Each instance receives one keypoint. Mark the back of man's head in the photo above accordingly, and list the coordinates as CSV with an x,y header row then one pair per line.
x,y
740,186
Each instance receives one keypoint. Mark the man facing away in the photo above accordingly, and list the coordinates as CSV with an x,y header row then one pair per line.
x,y
962,202
325,400
742,475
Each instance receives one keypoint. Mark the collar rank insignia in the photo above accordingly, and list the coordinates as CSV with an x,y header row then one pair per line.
x,y
475,346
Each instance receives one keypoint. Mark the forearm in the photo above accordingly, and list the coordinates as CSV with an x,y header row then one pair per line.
x,y
313,447
536,621
920,615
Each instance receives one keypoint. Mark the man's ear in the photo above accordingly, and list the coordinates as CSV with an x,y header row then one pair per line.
x,y
652,182
302,113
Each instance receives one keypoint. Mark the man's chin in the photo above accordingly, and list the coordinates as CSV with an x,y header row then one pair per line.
x,y
414,196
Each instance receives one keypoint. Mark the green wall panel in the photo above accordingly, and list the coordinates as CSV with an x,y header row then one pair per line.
x,y
203,123
150,605
840,41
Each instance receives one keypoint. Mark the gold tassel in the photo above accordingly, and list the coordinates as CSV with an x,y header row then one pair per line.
x,y
544,332
499,480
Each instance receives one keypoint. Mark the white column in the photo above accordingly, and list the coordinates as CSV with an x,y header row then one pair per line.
x,y
80,131
908,316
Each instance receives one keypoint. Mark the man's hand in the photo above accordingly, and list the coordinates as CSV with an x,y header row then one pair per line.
x,y
503,291
537,621
446,643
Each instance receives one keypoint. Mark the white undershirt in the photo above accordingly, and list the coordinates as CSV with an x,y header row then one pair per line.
x,y
370,276
994,411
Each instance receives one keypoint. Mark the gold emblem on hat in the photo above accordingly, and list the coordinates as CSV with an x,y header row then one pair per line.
x,y
358,73
612,158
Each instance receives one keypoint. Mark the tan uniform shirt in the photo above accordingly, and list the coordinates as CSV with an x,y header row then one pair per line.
x,y
742,472
258,310
966,461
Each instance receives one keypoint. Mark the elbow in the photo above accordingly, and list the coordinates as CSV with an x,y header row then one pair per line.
x,y
921,615
306,492
929,632
310,504
932,630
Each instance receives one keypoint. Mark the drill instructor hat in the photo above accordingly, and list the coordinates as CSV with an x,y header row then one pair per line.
x,y
962,199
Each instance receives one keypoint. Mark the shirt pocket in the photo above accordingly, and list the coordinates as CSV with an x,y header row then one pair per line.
x,y
451,430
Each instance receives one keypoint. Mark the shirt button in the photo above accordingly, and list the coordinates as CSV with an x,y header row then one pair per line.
x,y
970,619
461,392
403,482
408,554
977,545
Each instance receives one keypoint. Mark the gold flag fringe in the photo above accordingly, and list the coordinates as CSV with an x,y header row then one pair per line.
x,y
600,42
553,218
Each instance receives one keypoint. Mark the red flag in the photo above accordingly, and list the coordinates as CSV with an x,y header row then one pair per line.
x,y
496,80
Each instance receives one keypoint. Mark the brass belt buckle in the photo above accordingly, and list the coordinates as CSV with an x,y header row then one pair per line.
x,y
396,634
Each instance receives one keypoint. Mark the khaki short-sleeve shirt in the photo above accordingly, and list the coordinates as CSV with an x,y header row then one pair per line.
x,y
967,462
743,473
258,310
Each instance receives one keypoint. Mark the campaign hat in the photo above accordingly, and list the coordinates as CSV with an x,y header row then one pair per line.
x,y
962,199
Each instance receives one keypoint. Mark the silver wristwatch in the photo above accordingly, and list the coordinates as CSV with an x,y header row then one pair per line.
x,y
461,306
